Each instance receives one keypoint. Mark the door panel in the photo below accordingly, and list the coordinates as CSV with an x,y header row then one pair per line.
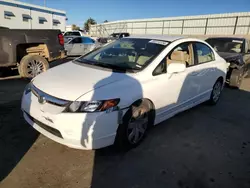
x,y
175,93
205,64
178,90
74,46
76,49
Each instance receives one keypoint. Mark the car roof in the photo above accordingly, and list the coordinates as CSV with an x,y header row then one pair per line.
x,y
158,37
233,38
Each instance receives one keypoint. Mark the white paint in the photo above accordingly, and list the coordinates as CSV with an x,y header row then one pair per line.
x,y
170,93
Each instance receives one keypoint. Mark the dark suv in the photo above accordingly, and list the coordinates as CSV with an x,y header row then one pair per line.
x,y
236,51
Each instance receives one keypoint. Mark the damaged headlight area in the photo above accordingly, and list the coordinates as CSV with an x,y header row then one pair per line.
x,y
93,106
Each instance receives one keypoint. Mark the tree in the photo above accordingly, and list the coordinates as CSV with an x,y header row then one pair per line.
x,y
89,22
105,21
74,27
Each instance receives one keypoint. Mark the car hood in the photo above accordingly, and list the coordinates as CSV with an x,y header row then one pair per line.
x,y
71,80
233,58
228,55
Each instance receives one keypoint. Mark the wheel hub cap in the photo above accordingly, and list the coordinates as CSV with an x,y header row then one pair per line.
x,y
216,91
35,67
137,128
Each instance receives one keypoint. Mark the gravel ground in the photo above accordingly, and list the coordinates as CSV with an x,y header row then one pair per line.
x,y
204,147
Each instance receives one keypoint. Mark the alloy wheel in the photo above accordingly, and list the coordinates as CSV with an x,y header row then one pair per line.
x,y
217,91
137,128
35,67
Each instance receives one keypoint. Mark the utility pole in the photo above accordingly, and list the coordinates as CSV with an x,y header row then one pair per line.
x,y
44,3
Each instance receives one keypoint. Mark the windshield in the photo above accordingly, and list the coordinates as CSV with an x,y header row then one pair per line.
x,y
126,54
72,34
226,44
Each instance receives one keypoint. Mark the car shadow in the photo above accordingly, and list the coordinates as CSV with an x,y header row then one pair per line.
x,y
187,152
16,136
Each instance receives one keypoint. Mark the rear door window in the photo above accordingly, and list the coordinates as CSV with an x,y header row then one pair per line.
x,y
73,33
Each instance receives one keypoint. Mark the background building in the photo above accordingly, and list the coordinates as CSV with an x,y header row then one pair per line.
x,y
214,24
18,15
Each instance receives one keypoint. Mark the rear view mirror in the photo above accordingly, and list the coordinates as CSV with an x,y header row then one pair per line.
x,y
176,67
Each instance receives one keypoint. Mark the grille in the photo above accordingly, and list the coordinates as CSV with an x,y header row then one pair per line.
x,y
45,127
48,98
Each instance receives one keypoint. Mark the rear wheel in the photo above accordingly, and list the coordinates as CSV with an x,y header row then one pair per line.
x,y
236,78
135,125
216,92
32,65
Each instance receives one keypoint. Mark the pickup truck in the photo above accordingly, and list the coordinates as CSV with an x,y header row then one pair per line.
x,y
30,50
235,51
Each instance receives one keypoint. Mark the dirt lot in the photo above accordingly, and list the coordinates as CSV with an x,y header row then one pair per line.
x,y
203,147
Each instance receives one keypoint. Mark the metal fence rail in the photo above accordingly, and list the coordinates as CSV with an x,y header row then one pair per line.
x,y
220,24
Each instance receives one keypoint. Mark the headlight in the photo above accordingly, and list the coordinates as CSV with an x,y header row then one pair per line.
x,y
93,106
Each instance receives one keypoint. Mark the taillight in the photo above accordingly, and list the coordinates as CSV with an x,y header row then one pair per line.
x,y
61,39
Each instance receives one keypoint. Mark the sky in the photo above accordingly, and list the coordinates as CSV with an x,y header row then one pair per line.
x,y
78,11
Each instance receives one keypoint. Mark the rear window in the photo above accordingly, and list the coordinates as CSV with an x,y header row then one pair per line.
x,y
73,33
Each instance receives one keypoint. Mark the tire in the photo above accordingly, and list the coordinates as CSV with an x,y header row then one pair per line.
x,y
216,92
236,78
32,65
126,133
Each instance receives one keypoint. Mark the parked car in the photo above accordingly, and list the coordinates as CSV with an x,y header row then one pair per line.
x,y
80,45
68,35
114,94
30,50
236,51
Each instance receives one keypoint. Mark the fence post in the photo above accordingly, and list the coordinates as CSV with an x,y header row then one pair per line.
x,y
162,29
236,22
132,28
248,29
182,25
206,26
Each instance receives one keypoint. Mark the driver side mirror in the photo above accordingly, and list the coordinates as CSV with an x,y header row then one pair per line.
x,y
176,67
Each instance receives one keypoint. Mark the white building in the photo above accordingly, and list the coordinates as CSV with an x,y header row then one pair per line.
x,y
18,15
68,28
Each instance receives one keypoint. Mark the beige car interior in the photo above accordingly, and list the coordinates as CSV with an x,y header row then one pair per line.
x,y
181,55
235,47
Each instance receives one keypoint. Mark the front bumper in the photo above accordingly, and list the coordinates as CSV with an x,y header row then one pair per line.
x,y
75,130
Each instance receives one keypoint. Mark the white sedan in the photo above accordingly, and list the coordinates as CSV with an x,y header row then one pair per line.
x,y
114,94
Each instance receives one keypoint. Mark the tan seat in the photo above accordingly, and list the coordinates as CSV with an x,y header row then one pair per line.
x,y
180,56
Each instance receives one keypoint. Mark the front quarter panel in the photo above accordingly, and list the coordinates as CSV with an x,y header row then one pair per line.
x,y
127,90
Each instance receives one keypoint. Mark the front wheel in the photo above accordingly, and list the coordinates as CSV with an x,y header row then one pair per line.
x,y
135,125
236,78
